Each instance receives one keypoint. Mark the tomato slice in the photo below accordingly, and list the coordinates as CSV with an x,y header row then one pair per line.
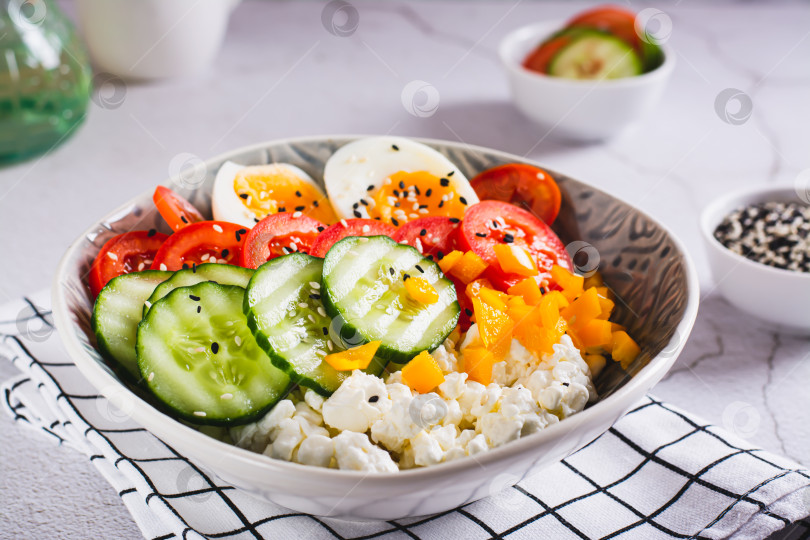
x,y
523,185
613,19
494,222
122,254
277,235
541,57
175,209
349,227
201,242
430,235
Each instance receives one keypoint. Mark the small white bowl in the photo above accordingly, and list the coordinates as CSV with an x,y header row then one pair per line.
x,y
780,297
576,109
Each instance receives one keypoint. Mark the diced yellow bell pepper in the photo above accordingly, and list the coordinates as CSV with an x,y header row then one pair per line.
x,y
515,260
604,291
624,350
536,338
449,260
477,362
492,297
494,328
571,285
595,333
469,267
354,358
421,290
528,289
549,311
594,280
583,309
559,298
423,373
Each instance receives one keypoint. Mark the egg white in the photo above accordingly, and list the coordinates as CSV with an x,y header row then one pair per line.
x,y
226,204
368,162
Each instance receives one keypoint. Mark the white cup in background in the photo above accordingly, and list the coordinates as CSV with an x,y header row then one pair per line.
x,y
153,39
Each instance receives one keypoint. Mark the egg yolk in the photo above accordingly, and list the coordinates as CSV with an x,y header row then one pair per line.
x,y
268,190
406,196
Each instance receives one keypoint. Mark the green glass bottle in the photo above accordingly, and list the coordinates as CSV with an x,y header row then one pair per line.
x,y
45,78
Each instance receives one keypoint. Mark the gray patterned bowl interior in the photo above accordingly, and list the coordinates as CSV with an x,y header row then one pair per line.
x,y
638,258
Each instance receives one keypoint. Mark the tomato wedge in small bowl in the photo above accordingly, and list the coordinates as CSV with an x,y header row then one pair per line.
x,y
489,223
430,235
349,227
201,242
523,185
277,235
122,254
175,209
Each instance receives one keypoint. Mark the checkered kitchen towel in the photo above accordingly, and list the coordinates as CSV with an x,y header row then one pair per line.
x,y
658,473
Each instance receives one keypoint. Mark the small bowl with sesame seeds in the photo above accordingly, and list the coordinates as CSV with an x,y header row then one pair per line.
x,y
758,245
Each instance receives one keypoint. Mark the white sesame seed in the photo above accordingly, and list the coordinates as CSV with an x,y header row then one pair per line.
x,y
321,311
314,284
330,345
151,376
141,266
199,349
199,413
293,246
112,255
222,261
366,229
311,318
217,228
419,245
205,256
237,340
343,222
163,267
362,239
303,305
413,216
387,182
423,210
297,214
226,395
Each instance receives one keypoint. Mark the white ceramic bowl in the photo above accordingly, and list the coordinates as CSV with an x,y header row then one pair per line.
x,y
645,265
780,297
575,109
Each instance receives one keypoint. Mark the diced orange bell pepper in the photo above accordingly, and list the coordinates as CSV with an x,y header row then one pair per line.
x,y
354,358
492,297
549,311
595,333
477,362
515,260
536,338
559,298
494,328
571,285
421,290
474,287
448,261
605,303
469,267
583,309
596,362
528,289
594,280
423,373
624,350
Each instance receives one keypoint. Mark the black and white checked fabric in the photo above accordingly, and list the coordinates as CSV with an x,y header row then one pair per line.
x,y
658,473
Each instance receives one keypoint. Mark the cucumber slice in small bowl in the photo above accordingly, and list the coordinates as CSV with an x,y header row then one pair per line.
x,y
224,274
364,291
592,54
117,313
285,311
200,359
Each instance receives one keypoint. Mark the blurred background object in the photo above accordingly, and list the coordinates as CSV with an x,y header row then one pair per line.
x,y
44,79
153,39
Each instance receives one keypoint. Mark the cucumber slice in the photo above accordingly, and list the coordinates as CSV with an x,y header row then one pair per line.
x,y
285,312
596,55
117,313
224,274
364,292
199,358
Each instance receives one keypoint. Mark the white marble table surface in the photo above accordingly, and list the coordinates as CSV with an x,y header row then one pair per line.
x,y
282,74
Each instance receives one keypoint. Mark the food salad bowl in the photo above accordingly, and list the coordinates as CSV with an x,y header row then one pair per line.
x,y
647,268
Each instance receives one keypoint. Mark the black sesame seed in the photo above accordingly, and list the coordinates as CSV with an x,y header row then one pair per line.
x,y
416,190
396,204
419,268
357,214
429,192
298,194
440,255
508,238
451,173
364,202
320,229
299,208
444,182
325,330
395,222
468,311
463,201
494,224
215,347
244,195
184,219
378,218
395,147
151,233
481,234
282,209
370,187
423,206
391,271
316,204
193,268
225,253
373,399
355,205
315,296
255,220
396,193
543,290
454,220
195,298
441,203
199,309
405,277
185,266
423,232
401,184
